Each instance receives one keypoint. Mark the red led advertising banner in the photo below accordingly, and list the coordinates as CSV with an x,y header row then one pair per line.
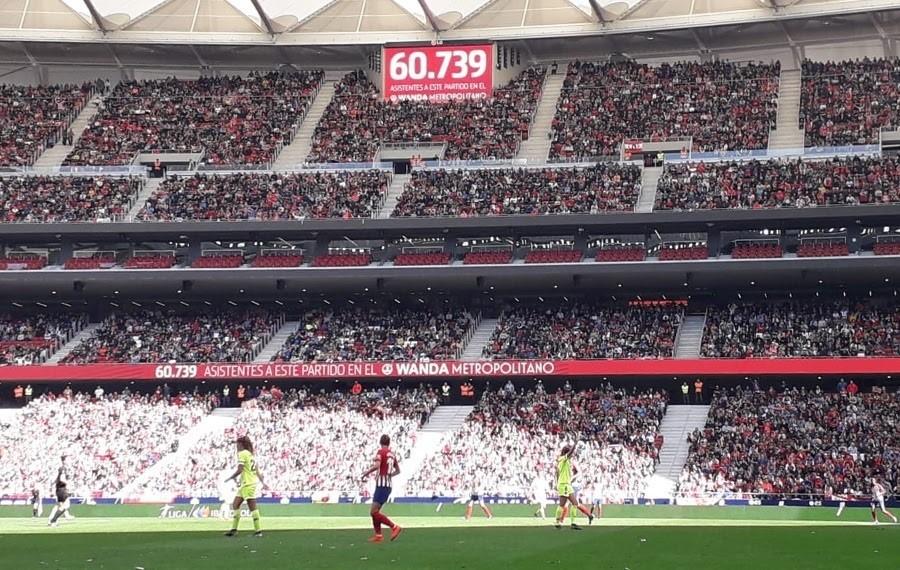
x,y
448,369
438,73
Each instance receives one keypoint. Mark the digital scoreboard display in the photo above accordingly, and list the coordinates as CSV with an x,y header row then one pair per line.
x,y
438,73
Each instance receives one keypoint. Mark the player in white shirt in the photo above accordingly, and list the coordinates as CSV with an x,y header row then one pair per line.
x,y
539,495
878,491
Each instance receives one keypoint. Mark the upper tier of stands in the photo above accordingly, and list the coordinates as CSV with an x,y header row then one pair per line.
x,y
849,102
36,116
794,443
231,120
576,190
358,121
273,196
719,105
779,183
584,331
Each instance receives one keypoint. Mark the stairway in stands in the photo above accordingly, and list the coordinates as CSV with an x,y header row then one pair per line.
x,y
443,421
294,154
649,184
150,186
787,133
217,422
54,157
66,349
689,337
398,184
482,335
537,148
678,423
277,341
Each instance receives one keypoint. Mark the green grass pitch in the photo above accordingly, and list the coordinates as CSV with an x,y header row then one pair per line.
x,y
334,537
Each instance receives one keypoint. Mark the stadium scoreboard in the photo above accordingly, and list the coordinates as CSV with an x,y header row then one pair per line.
x,y
438,73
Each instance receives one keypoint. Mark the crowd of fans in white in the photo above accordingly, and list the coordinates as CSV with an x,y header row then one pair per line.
x,y
148,335
304,442
46,199
271,196
796,328
513,437
230,119
794,442
507,191
779,184
719,105
358,120
352,333
584,331
108,440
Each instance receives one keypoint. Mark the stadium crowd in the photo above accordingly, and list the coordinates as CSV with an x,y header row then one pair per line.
x,y
32,339
356,193
779,183
151,336
304,442
47,199
232,120
849,102
720,105
801,329
349,334
108,440
584,331
599,188
794,442
35,117
358,121
513,437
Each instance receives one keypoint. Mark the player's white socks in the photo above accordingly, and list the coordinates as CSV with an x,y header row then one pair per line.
x,y
841,508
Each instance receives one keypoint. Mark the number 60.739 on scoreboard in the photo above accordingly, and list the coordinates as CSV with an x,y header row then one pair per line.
x,y
438,73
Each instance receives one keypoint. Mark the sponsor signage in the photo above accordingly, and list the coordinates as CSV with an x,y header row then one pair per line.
x,y
448,369
438,73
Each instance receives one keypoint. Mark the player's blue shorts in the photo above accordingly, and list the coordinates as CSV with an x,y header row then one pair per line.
x,y
381,496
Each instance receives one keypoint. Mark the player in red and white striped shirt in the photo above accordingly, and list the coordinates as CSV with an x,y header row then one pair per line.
x,y
386,467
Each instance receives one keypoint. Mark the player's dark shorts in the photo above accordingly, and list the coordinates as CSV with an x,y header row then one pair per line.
x,y
475,498
381,496
61,495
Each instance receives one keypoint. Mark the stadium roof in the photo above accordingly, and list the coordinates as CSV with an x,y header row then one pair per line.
x,y
381,21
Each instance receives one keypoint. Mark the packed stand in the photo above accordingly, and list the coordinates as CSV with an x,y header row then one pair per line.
x,y
801,329
108,440
154,336
352,333
722,105
584,331
304,443
232,120
358,121
46,199
776,183
35,117
520,191
513,438
32,339
294,196
849,102
794,443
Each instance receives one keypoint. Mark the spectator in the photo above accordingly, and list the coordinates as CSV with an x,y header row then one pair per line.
x,y
161,336
507,191
231,120
801,329
584,331
49,199
719,105
356,193
779,184
357,121
350,334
